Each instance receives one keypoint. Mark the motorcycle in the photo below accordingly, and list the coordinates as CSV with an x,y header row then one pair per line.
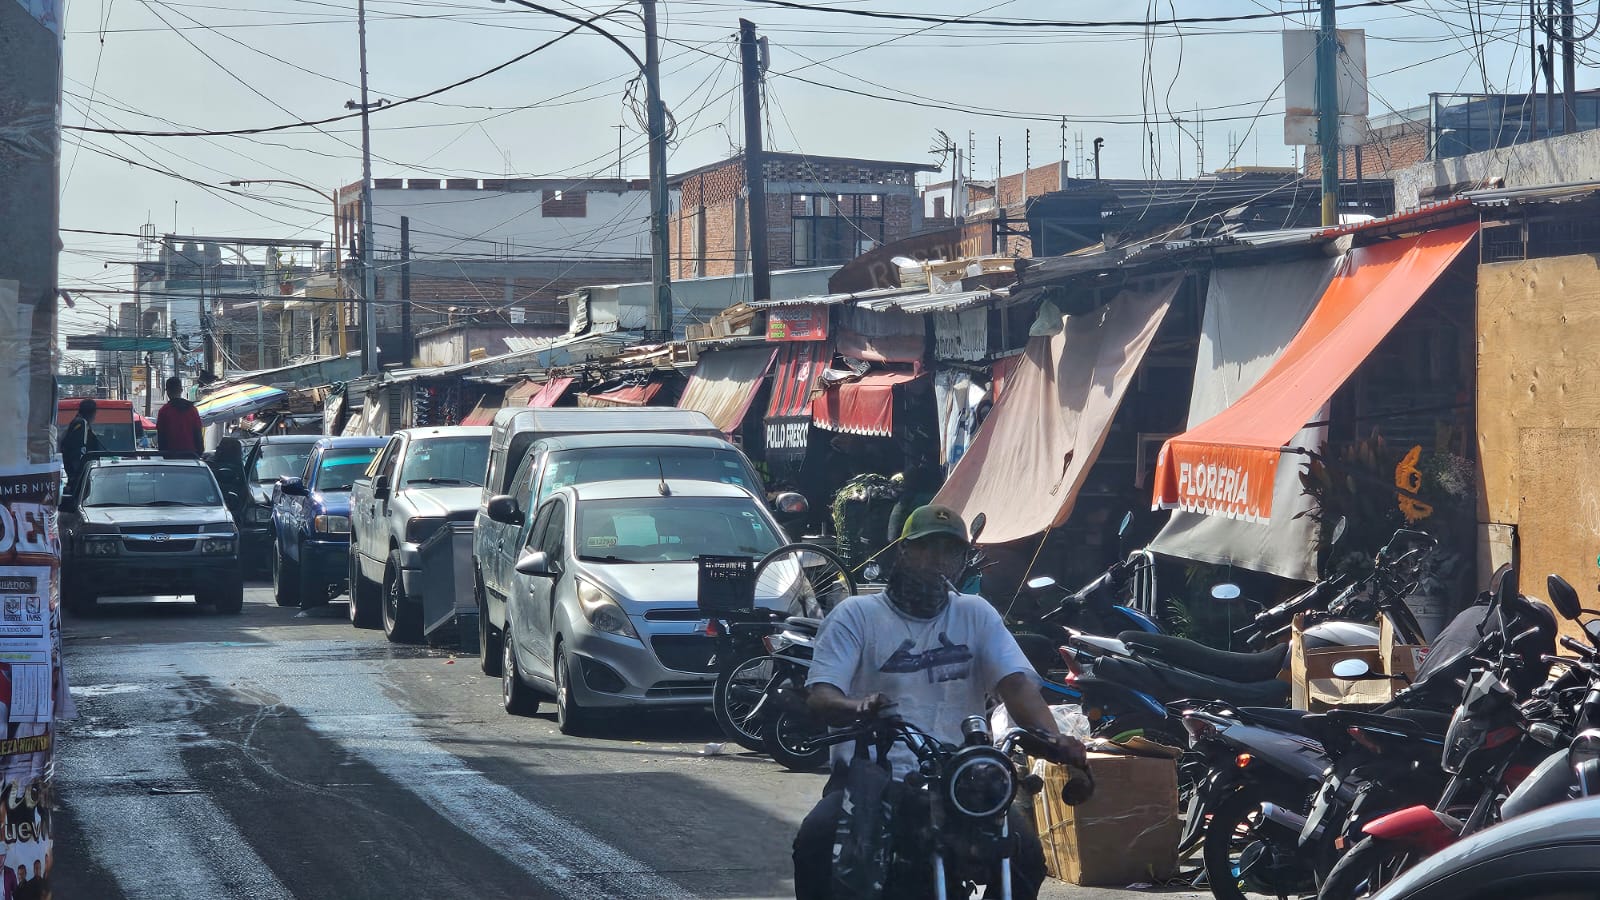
x,y
949,832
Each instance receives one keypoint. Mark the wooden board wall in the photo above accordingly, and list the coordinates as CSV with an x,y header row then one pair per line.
x,y
1539,417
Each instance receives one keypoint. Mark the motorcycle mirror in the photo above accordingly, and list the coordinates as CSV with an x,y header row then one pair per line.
x,y
1564,597
1592,629
1351,669
1507,589
1127,519
1041,583
978,523
1339,529
1225,591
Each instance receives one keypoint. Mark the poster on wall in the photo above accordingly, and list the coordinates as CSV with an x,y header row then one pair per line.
x,y
798,323
33,690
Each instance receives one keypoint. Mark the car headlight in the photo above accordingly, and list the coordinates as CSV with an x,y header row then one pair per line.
x,y
603,612
331,524
102,544
982,783
421,528
260,515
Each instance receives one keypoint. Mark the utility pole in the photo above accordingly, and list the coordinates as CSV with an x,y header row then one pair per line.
x,y
369,286
261,329
1549,62
660,245
408,342
958,196
1027,160
620,129
1328,113
1061,167
755,168
1568,68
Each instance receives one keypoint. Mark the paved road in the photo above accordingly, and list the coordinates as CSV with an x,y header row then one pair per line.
x,y
271,755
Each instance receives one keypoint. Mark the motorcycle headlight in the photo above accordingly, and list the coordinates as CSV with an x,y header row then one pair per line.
x,y
603,612
260,515
331,524
982,783
1585,747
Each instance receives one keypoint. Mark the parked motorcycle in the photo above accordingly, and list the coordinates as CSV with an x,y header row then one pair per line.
x,y
949,832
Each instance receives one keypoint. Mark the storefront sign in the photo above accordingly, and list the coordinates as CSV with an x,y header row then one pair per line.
x,y
797,323
961,335
787,435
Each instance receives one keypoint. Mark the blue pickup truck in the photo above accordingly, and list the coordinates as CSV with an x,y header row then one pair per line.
x,y
311,521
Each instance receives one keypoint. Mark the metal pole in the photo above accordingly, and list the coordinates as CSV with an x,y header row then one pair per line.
x,y
1549,61
369,287
1328,113
660,245
755,168
1568,70
406,339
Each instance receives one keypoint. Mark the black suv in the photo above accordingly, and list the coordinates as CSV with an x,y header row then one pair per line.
x,y
141,525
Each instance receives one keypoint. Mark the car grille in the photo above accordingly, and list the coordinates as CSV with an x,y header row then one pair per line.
x,y
689,689
673,615
685,652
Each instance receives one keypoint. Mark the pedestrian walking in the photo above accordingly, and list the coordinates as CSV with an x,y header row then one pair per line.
x,y
78,441
178,430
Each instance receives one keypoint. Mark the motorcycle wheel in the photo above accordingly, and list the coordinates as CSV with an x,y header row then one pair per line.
x,y
1365,870
788,740
739,687
1232,836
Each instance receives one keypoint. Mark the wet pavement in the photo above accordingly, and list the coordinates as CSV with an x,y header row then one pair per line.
x,y
274,755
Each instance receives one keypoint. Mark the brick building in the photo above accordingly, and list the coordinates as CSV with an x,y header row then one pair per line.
x,y
821,211
1394,141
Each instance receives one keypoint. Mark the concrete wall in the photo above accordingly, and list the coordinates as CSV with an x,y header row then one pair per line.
x,y
1567,158
1538,398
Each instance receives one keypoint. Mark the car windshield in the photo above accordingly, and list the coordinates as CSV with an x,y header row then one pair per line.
x,y
586,466
671,529
150,486
278,459
451,460
114,435
339,468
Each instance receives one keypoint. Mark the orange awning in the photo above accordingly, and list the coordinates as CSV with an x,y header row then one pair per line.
x,y
1226,464
862,407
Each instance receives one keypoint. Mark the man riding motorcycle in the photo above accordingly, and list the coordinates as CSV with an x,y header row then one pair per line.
x,y
932,656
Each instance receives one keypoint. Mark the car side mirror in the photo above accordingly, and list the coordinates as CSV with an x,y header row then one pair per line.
x,y
537,564
1564,597
291,486
505,510
380,487
231,499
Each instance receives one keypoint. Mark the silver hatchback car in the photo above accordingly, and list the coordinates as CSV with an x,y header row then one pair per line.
x,y
603,613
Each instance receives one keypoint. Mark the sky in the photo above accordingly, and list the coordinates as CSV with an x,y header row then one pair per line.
x,y
187,65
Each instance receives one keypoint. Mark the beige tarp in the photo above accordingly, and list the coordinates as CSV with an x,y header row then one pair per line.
x,y
1032,454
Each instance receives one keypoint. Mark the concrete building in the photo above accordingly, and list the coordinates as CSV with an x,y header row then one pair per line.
x,y
821,211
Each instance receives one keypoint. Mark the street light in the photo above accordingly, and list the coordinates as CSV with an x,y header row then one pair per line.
x,y
332,199
649,67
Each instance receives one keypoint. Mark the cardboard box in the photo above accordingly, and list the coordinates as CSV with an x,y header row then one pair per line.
x,y
1316,689
1127,832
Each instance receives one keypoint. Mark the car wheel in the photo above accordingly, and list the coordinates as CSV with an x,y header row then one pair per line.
x,y
517,697
285,580
363,596
490,638
227,598
401,616
571,718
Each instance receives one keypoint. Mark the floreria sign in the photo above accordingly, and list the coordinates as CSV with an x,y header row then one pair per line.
x,y
1236,482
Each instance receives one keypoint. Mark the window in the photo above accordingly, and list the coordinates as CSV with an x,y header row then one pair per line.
x,y
275,459
452,460
151,486
622,463
383,463
565,205
338,469
554,532
671,529
938,207
832,229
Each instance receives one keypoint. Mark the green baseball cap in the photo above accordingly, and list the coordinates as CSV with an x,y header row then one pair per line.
x,y
927,521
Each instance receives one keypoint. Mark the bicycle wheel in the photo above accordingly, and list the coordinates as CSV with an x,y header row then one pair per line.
x,y
739,688
804,579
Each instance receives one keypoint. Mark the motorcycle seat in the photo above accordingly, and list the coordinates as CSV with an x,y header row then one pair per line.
x,y
1198,658
1169,684
1276,718
804,623
1417,723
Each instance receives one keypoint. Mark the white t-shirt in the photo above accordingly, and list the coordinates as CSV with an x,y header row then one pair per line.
x,y
938,671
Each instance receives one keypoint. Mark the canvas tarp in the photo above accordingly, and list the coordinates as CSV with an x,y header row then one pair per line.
x,y
864,407
1226,465
1251,314
1034,451
638,394
725,382
549,393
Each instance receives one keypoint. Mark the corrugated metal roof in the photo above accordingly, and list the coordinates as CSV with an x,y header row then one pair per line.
x,y
926,302
1567,192
834,299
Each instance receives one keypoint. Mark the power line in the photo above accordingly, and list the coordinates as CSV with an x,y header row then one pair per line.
x,y
1041,23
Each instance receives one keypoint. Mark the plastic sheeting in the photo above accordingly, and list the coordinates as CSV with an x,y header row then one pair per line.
x,y
1251,315
1034,451
725,382
1227,464
957,399
629,395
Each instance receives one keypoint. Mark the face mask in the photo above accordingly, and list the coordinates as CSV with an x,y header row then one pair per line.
x,y
918,592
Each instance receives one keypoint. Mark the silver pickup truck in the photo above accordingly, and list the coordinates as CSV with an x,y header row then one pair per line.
x,y
422,480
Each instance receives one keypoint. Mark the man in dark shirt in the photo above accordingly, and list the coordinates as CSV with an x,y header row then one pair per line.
x,y
78,441
178,431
